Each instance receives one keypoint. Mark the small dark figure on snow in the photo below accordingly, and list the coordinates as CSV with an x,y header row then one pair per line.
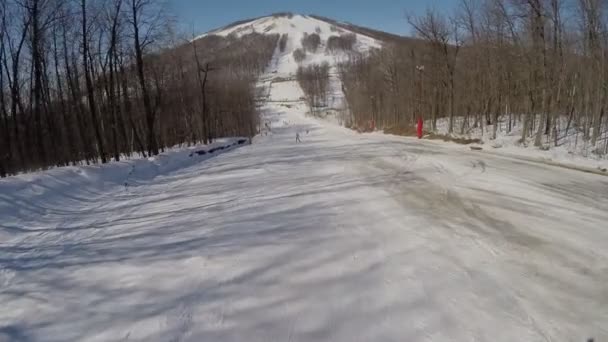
x,y
298,138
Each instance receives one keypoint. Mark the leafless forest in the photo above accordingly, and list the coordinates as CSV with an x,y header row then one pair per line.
x,y
539,65
88,81
314,81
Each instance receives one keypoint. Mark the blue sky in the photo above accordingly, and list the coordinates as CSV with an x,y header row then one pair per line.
x,y
387,15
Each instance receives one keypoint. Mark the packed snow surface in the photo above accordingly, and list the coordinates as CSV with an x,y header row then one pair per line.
x,y
572,149
342,237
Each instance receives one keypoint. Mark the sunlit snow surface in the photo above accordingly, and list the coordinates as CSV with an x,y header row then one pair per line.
x,y
343,237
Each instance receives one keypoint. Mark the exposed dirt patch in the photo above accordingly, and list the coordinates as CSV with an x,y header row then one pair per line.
x,y
410,131
282,79
462,141
404,130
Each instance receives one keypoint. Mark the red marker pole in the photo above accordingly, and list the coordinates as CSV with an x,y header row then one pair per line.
x,y
419,128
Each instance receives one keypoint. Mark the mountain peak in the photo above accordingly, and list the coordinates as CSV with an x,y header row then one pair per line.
x,y
295,48
295,26
271,24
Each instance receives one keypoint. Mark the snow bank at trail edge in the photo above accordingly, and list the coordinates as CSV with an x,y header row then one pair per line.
x,y
572,150
30,195
283,70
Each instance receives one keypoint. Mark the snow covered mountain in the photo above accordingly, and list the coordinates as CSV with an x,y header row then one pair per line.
x,y
279,80
295,27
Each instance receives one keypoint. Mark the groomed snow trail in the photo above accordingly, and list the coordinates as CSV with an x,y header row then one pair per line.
x,y
343,237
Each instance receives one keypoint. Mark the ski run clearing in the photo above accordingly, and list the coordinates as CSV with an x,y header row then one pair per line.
x,y
342,237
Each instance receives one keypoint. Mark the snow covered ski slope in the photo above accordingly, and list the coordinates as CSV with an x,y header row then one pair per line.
x,y
284,65
342,237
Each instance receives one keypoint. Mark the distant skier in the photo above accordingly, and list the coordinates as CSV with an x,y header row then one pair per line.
x,y
298,137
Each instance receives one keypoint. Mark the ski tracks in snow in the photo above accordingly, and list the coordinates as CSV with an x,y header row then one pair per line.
x,y
342,237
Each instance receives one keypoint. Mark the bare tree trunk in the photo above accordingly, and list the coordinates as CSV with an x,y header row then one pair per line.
x,y
111,81
128,110
136,7
89,85
72,77
202,81
6,152
71,153
55,137
540,62
16,104
33,7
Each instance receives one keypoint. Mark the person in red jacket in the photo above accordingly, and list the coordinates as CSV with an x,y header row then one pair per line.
x,y
419,128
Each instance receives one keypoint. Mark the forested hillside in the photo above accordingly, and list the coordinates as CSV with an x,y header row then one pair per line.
x,y
93,80
536,65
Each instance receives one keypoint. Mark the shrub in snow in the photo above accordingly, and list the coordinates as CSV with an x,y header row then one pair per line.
x,y
283,42
314,80
311,42
299,55
344,42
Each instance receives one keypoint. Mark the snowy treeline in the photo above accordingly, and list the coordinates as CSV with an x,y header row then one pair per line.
x,y
492,61
94,80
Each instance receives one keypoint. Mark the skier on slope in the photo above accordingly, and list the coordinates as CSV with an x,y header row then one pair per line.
x,y
298,137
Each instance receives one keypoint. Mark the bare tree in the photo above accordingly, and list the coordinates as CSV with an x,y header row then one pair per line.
x,y
299,55
86,57
202,74
137,11
444,37
311,42
283,42
314,80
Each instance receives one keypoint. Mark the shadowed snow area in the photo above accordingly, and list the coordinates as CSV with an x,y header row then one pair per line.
x,y
342,237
